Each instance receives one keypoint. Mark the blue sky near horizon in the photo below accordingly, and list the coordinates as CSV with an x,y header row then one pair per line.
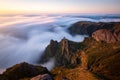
x,y
59,6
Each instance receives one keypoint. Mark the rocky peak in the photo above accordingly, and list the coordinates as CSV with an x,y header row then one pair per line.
x,y
65,46
52,42
50,51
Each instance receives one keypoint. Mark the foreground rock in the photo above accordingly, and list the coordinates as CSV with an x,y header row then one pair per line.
x,y
109,36
23,70
87,28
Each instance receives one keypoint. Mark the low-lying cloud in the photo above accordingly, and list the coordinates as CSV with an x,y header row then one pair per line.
x,y
24,38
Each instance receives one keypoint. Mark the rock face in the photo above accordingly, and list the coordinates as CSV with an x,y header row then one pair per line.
x,y
98,57
116,33
87,28
42,77
23,70
109,36
65,52
103,58
74,61
84,60
50,51
68,55
104,35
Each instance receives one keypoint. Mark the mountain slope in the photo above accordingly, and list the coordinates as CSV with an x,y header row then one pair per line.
x,y
87,28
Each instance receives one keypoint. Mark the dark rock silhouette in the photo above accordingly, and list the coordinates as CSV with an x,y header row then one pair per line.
x,y
87,28
50,51
23,70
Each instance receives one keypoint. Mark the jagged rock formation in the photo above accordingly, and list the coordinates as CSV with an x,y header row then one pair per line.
x,y
50,51
99,54
23,70
109,36
74,61
98,57
42,77
87,28
66,53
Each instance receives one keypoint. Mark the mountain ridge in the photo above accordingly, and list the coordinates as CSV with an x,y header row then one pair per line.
x,y
96,58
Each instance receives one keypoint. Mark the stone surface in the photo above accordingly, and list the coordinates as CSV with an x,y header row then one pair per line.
x,y
109,36
42,77
50,51
65,52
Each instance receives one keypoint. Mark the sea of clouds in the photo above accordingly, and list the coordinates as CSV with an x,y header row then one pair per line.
x,y
23,38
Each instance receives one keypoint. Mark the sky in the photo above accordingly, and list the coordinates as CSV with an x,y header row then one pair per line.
x,y
60,6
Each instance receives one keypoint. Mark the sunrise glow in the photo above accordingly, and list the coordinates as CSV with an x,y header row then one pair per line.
x,y
59,6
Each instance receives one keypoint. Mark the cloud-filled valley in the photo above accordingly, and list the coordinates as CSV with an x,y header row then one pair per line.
x,y
24,38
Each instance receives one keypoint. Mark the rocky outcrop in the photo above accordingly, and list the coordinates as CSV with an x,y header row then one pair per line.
x,y
109,36
87,28
50,51
104,35
42,77
98,57
74,61
23,70
66,53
